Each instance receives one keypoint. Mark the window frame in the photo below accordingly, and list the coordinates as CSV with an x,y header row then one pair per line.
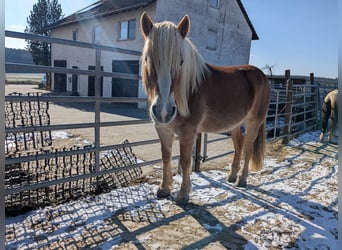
x,y
213,5
129,31
208,45
96,34
75,35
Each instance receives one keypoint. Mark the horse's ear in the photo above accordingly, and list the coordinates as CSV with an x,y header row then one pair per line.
x,y
146,24
184,26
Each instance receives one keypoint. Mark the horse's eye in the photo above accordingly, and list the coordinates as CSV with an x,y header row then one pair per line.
x,y
181,62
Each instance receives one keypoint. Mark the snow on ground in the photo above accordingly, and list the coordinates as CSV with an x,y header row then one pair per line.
x,y
290,204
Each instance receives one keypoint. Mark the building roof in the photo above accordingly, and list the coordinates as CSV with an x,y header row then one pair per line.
x,y
244,12
109,7
102,8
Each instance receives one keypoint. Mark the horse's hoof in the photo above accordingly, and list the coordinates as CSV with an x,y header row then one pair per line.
x,y
182,199
162,193
232,179
241,182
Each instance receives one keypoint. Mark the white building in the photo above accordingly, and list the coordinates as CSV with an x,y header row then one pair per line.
x,y
220,29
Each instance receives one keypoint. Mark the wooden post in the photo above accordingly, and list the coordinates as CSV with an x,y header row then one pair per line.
x,y
288,109
198,153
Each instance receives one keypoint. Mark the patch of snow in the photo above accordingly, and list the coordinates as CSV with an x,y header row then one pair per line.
x,y
60,134
215,228
289,205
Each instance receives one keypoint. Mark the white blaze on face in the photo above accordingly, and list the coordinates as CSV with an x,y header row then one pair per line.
x,y
163,113
164,85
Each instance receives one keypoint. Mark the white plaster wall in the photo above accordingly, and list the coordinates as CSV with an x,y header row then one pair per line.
x,y
82,58
234,34
233,45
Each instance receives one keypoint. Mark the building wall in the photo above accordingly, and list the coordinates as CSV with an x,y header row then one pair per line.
x,y
82,58
233,36
233,32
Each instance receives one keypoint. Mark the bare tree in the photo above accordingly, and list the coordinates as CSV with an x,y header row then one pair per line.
x,y
268,68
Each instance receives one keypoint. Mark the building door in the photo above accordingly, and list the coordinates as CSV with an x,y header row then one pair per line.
x,y
60,80
91,82
125,87
74,82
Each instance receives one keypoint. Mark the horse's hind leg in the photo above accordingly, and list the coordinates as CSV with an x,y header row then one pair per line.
x,y
332,129
254,149
166,140
237,138
326,112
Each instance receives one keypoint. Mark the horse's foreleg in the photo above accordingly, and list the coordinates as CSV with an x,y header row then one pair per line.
x,y
186,143
237,138
166,137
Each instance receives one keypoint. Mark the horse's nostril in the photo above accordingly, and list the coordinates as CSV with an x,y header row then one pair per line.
x,y
173,110
154,109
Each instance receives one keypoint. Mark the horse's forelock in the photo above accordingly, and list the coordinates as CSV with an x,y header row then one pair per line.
x,y
166,46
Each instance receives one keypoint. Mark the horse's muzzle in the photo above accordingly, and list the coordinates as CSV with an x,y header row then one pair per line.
x,y
163,114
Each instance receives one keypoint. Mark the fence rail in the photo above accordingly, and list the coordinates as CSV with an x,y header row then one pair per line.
x,y
293,109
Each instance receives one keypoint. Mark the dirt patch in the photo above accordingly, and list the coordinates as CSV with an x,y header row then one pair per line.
x,y
289,204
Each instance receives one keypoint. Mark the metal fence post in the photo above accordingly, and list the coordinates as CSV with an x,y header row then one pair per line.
x,y
288,110
276,114
2,126
315,94
198,152
97,106
205,147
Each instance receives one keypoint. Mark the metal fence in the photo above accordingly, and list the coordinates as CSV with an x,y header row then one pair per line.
x,y
26,114
34,171
294,109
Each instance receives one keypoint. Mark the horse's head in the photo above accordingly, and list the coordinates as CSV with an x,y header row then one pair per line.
x,y
162,61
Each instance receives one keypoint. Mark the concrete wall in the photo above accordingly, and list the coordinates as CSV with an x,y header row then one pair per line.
x,y
234,34
82,58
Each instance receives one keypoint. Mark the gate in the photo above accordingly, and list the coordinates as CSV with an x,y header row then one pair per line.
x,y
37,173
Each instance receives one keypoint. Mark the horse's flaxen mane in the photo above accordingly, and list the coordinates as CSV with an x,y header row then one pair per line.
x,y
165,47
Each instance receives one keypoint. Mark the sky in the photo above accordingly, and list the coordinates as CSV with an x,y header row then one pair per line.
x,y
300,35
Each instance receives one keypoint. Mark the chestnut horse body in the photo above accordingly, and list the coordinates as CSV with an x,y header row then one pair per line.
x,y
188,96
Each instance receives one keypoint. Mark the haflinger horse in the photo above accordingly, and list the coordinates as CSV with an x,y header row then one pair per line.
x,y
188,96
329,115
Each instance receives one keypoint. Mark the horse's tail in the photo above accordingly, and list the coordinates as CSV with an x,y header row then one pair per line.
x,y
257,159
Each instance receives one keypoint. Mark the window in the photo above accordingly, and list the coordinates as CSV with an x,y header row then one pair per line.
x,y
127,30
214,3
211,39
96,34
75,35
